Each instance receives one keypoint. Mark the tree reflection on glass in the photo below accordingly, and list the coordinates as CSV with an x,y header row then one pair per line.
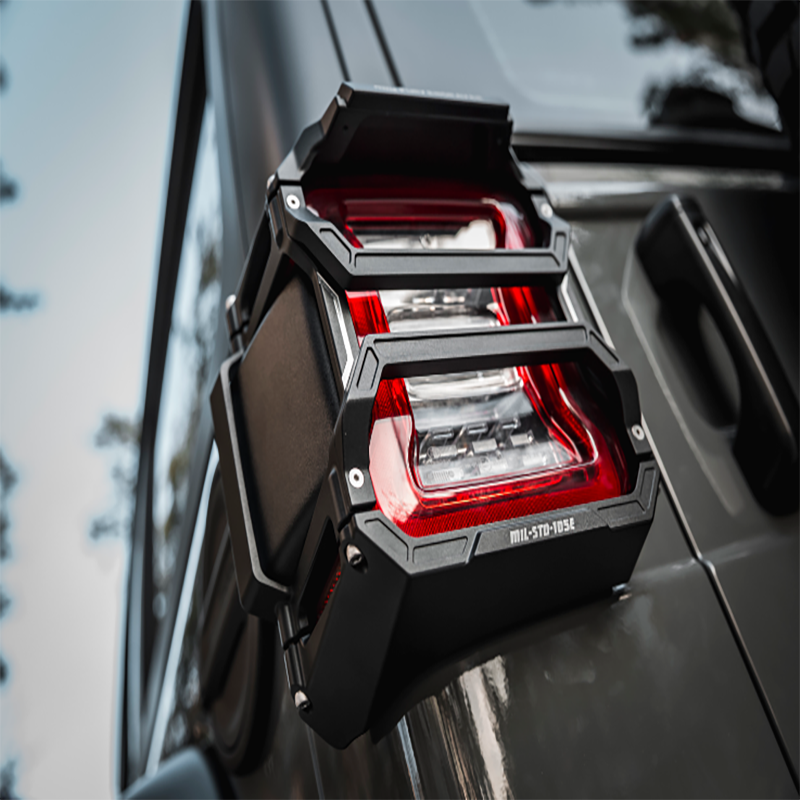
x,y
709,24
611,66
189,363
187,722
702,95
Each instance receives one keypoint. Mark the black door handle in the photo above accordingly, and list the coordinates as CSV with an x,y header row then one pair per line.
x,y
681,254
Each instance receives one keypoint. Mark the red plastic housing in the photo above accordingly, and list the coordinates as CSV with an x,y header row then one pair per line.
x,y
364,207
588,464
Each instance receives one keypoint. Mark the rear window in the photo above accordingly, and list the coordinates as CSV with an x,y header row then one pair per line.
x,y
631,64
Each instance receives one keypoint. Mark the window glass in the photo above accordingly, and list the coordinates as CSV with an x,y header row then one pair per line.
x,y
190,353
629,64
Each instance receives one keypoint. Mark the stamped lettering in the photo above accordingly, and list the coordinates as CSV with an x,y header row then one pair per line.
x,y
541,531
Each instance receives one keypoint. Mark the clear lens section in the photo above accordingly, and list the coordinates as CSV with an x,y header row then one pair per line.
x,y
476,235
485,429
435,309
453,451
471,426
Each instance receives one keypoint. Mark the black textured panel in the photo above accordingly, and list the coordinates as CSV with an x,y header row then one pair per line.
x,y
288,405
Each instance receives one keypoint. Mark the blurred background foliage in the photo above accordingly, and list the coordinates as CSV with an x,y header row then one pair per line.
x,y
121,436
10,301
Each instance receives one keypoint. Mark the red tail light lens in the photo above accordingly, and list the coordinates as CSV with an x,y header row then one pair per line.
x,y
457,450
330,586
440,216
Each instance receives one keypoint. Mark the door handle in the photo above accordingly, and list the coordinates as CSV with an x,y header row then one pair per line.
x,y
681,254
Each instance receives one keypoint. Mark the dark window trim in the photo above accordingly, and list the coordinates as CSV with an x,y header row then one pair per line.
x,y
191,100
670,146
201,453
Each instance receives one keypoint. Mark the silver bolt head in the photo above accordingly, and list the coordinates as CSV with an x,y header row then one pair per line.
x,y
638,432
354,556
301,701
356,478
546,210
293,201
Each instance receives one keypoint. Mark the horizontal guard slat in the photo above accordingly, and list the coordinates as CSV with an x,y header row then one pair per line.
x,y
430,354
354,269
386,356
495,265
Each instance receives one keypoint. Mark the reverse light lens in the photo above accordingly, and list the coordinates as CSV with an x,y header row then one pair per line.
x,y
455,450
552,457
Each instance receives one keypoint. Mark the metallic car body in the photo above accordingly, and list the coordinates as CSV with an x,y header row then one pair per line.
x,y
683,682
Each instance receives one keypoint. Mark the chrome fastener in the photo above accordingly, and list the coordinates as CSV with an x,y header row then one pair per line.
x,y
356,478
355,558
301,701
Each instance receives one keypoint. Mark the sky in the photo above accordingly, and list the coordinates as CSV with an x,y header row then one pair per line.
x,y
85,127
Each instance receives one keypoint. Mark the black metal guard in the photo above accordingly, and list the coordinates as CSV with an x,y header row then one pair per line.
x,y
402,605
591,547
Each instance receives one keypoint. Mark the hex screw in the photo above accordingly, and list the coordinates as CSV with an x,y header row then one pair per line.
x,y
638,432
233,323
355,558
293,201
356,478
231,317
301,701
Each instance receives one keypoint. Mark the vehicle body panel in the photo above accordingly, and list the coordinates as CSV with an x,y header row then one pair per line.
x,y
682,682
753,554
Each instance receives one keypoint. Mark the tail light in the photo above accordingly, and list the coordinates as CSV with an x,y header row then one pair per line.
x,y
419,446
455,450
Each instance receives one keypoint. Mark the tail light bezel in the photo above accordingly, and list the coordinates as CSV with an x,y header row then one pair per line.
x,y
469,567
404,600
387,356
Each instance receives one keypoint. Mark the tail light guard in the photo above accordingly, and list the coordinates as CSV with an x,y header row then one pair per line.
x,y
523,480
